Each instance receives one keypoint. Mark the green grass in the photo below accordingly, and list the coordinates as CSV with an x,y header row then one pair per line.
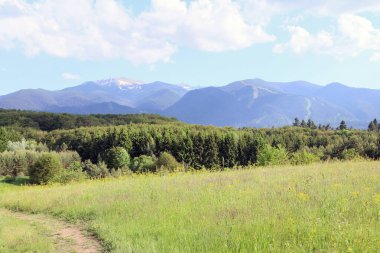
x,y
333,207
21,236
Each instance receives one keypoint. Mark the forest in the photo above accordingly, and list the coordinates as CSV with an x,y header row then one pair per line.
x,y
117,144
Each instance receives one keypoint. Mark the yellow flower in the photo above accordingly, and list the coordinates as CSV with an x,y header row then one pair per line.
x,y
376,198
303,196
355,193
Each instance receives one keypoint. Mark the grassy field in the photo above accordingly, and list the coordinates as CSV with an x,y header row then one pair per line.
x,y
20,236
333,207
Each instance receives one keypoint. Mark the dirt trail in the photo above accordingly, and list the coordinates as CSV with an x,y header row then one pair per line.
x,y
67,237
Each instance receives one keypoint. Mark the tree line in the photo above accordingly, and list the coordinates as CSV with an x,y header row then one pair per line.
x,y
206,146
51,121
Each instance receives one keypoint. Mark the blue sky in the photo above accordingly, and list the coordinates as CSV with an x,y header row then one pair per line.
x,y
59,43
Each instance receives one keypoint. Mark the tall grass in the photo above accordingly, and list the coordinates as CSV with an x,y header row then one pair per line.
x,y
333,207
22,236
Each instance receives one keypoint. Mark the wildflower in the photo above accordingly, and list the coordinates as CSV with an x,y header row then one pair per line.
x,y
376,198
355,193
303,196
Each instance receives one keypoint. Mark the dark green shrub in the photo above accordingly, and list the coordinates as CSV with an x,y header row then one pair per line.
x,y
269,155
72,174
96,171
350,154
116,158
144,163
168,162
46,169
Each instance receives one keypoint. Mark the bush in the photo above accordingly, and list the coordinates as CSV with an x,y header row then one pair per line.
x,y
303,157
26,145
116,158
15,163
269,155
167,161
96,171
46,169
67,158
350,154
144,163
69,175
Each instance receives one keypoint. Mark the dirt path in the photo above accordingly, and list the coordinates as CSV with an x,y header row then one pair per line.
x,y
67,237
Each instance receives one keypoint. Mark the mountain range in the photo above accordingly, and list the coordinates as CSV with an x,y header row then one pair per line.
x,y
252,102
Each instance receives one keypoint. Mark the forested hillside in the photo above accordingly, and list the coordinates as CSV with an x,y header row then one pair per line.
x,y
52,121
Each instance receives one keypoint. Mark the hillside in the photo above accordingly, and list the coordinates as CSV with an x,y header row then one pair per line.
x,y
52,121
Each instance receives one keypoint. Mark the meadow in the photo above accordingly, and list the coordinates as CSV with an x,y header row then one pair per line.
x,y
323,207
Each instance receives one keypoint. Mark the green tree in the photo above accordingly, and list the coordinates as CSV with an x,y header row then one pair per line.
x,y
144,163
116,158
342,125
269,155
167,161
296,122
45,169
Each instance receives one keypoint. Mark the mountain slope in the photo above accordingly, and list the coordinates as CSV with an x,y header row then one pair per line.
x,y
251,102
121,91
264,104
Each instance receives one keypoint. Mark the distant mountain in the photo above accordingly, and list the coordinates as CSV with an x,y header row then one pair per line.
x,y
252,102
121,91
258,103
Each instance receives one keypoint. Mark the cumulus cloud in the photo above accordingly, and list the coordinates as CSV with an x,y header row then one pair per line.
x,y
354,35
106,29
70,76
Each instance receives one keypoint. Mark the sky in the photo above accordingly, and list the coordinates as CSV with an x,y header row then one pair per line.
x,y
52,44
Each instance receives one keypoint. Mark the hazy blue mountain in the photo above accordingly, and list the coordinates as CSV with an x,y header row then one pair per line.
x,y
157,95
252,102
264,104
207,106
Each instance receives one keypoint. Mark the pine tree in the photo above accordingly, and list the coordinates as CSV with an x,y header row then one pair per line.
x,y
296,122
342,125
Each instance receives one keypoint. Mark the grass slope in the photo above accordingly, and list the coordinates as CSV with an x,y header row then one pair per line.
x,y
333,207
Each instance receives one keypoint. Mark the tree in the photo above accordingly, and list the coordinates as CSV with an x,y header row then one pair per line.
x,y
269,155
342,125
296,122
144,163
167,161
311,124
116,158
373,125
45,169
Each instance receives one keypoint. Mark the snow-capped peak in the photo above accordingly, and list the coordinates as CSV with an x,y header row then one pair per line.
x,y
121,83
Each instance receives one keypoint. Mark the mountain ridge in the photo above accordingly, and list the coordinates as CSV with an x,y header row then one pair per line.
x,y
249,102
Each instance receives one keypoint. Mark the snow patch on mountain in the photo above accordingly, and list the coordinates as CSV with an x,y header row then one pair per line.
x,y
121,83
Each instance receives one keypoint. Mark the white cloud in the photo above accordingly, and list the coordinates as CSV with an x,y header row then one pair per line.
x,y
70,76
353,35
359,31
375,57
302,41
105,29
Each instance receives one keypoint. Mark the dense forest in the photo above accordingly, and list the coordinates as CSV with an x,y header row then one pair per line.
x,y
145,143
51,121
